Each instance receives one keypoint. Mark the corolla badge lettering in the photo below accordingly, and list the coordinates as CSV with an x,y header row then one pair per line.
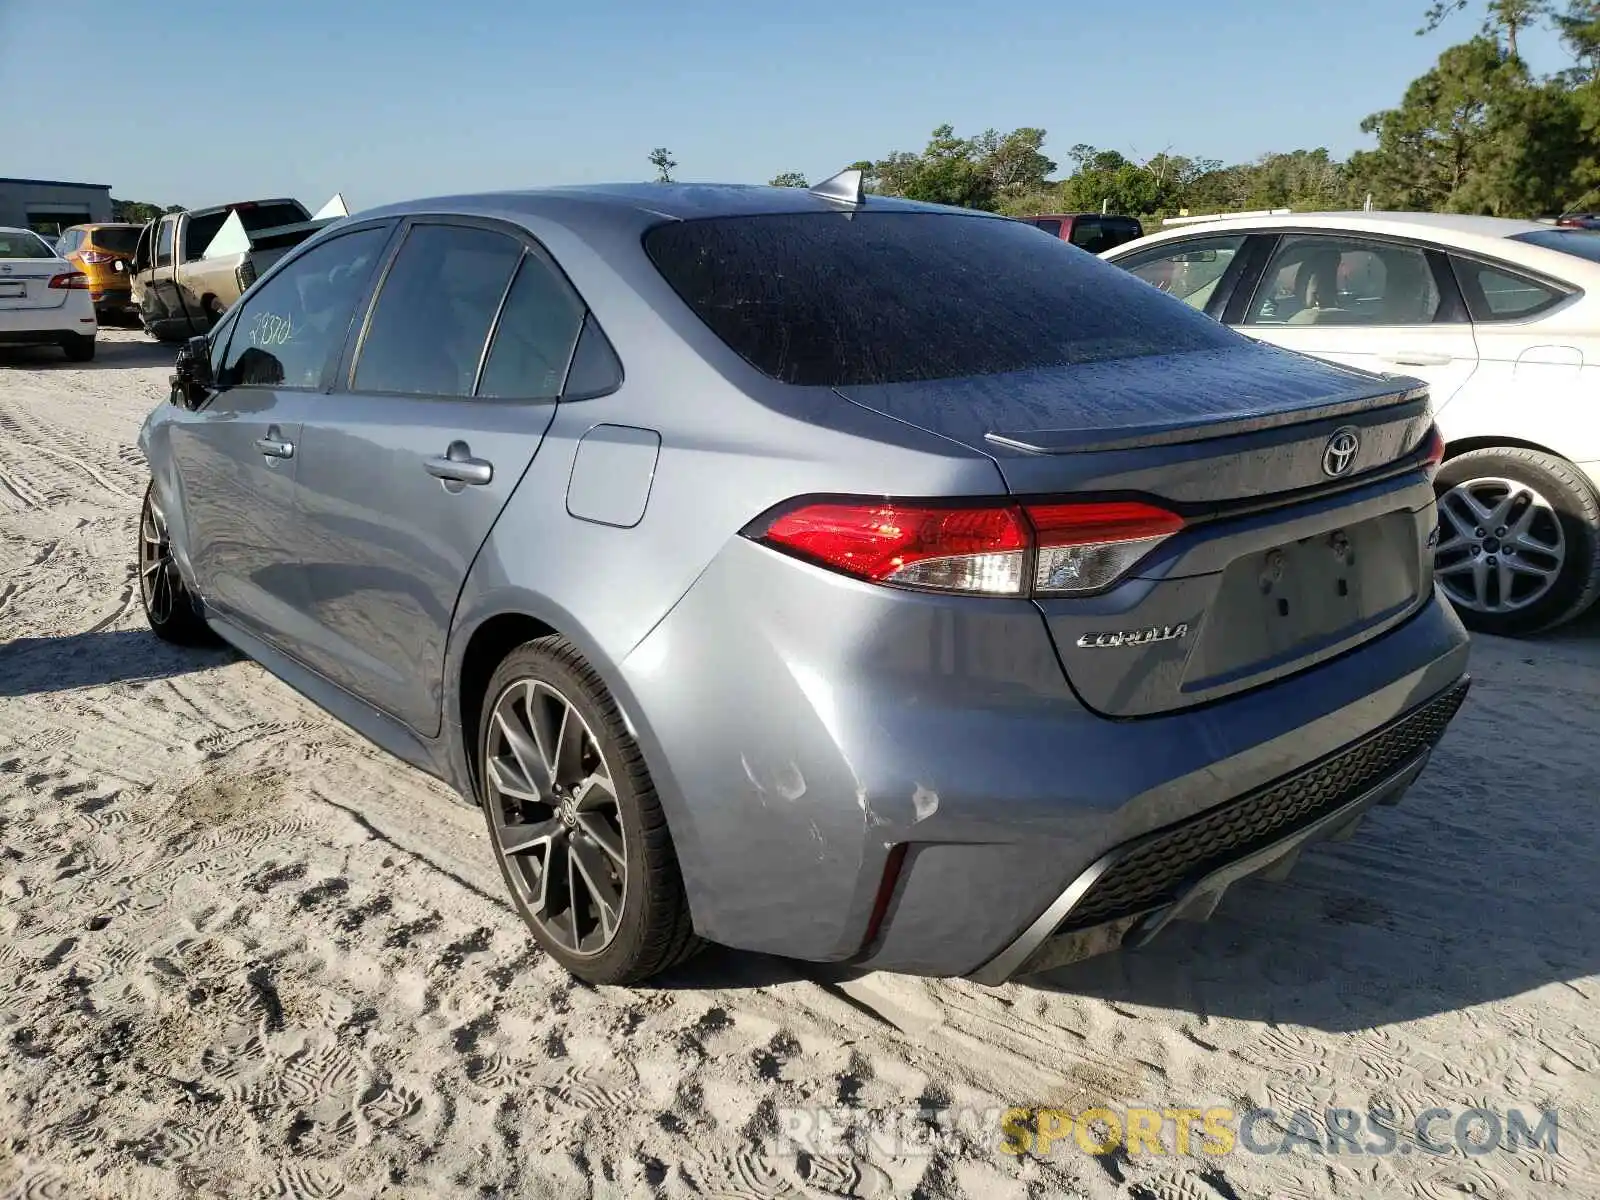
x,y
1132,637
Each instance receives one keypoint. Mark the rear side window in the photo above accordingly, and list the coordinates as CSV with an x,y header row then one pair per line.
x,y
840,299
296,322
1050,226
427,333
1497,294
1087,234
533,339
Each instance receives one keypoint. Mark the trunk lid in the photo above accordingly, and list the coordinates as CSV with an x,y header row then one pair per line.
x,y
1282,564
25,283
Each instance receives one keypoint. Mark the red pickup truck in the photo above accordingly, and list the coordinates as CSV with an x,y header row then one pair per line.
x,y
1093,232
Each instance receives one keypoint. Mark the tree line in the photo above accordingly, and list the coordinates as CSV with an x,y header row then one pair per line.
x,y
1477,133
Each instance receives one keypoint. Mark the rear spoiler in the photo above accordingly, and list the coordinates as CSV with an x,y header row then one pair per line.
x,y
1201,427
233,238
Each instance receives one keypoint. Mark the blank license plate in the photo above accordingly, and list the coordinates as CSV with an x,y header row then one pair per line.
x,y
10,291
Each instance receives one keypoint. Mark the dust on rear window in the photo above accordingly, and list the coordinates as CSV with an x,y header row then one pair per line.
x,y
865,298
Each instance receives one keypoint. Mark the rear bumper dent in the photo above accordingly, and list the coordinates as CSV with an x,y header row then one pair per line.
x,y
1060,935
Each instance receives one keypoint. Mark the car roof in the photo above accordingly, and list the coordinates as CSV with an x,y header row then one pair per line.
x,y
1446,228
653,202
1486,236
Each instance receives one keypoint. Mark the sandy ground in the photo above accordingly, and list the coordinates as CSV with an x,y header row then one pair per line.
x,y
242,953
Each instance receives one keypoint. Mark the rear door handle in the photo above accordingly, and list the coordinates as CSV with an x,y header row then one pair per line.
x,y
273,446
1418,358
456,465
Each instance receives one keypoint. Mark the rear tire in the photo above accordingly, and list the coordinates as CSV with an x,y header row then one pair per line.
x,y
169,607
575,822
1519,540
79,348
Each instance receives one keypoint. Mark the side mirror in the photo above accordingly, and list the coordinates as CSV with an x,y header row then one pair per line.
x,y
191,378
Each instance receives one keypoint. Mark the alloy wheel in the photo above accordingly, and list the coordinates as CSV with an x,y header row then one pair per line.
x,y
1501,545
554,817
158,574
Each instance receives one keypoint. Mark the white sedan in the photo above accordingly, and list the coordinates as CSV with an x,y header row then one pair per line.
x,y
1500,317
44,299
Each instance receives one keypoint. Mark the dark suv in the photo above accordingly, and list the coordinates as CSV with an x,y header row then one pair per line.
x,y
1088,231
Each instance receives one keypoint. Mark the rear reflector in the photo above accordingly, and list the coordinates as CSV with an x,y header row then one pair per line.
x,y
70,281
994,548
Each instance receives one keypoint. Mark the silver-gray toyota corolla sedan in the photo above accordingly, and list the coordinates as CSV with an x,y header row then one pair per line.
x,y
808,571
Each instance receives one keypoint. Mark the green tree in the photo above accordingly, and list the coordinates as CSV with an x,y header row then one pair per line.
x,y
661,159
1508,17
949,170
788,179
1430,146
1014,162
1579,27
136,212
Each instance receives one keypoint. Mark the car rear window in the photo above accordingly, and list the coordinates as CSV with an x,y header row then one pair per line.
x,y
117,239
254,218
19,243
1584,243
825,299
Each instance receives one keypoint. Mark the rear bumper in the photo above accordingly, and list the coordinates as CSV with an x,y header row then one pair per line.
x,y
1133,892
805,732
48,326
44,337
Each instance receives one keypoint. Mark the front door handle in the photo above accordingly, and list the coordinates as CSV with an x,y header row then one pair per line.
x,y
456,465
1418,358
274,446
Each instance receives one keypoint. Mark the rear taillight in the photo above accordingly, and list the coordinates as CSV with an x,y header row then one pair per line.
x,y
996,549
245,275
1433,445
1084,547
97,257
70,281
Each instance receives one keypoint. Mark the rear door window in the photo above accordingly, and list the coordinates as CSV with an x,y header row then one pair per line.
x,y
842,299
164,242
296,323
1317,279
432,319
1050,225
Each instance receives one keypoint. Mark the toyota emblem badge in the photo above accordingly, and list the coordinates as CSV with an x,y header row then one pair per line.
x,y
1340,453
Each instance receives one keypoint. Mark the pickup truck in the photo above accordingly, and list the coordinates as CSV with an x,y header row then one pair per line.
x,y
189,267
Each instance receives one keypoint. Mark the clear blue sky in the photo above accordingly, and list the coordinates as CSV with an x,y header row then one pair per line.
x,y
197,101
